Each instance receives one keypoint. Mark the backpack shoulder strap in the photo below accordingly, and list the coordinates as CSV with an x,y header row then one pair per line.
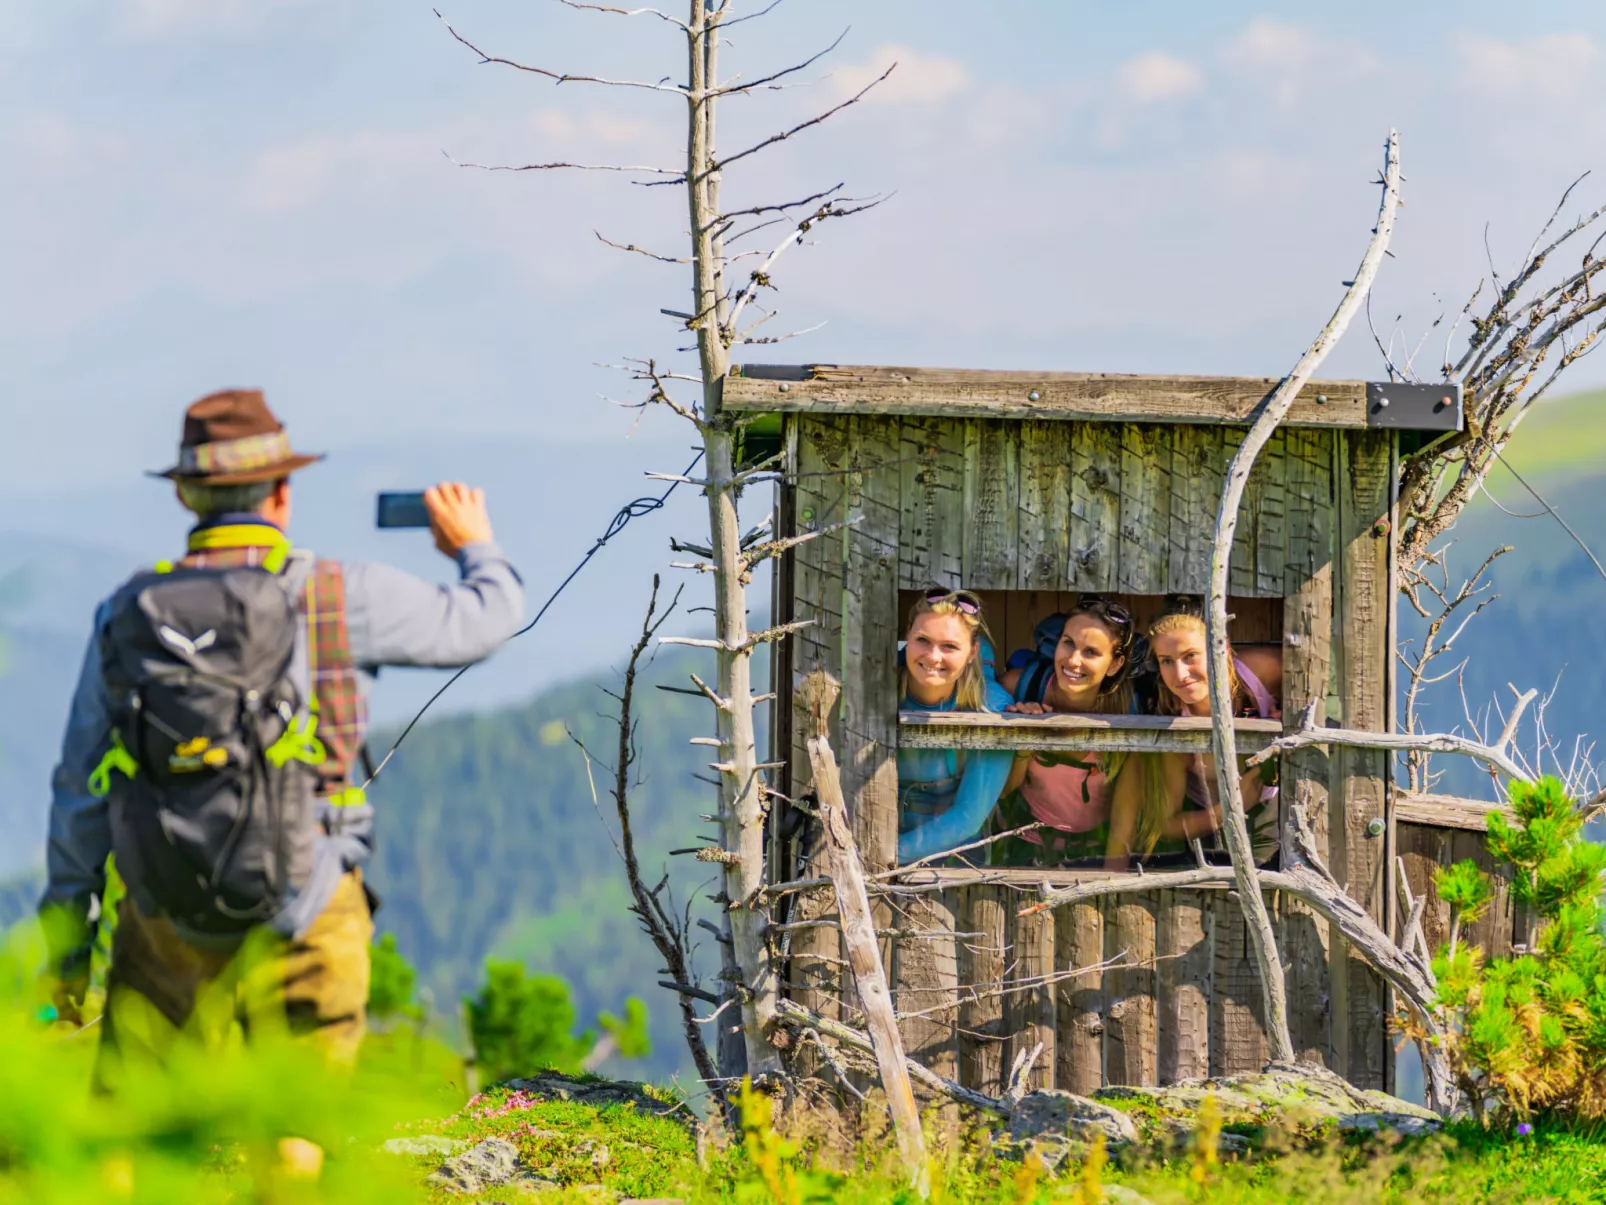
x,y
342,718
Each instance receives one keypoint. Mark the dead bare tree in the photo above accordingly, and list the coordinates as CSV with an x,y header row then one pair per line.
x,y
1224,741
718,317
667,927
1535,327
1428,586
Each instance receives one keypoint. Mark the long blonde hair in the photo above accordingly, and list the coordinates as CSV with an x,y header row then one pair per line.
x,y
1182,620
1154,805
970,692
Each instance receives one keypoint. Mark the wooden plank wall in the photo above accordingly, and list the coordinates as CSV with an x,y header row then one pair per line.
x,y
1029,513
1423,849
1363,649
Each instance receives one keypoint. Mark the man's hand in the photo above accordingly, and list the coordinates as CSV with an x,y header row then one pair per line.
x,y
457,516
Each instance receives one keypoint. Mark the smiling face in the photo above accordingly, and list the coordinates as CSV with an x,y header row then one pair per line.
x,y
1085,656
1180,654
937,649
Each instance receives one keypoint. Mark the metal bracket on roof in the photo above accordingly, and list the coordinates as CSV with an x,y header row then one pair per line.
x,y
1413,407
774,372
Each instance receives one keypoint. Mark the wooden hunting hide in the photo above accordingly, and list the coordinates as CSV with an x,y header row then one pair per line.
x,y
1031,489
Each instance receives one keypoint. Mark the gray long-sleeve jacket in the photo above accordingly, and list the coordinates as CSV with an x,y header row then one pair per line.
x,y
392,618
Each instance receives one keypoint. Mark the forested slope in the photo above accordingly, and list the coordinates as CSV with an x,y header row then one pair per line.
x,y
490,842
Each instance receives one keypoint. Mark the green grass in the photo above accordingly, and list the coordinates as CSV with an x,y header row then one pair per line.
x,y
206,1130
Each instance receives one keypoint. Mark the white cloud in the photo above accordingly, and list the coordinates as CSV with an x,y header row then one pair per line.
x,y
1157,76
1269,45
1552,66
1293,60
920,78
51,140
164,18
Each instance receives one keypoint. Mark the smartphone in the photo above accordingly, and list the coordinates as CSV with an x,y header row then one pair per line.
x,y
403,510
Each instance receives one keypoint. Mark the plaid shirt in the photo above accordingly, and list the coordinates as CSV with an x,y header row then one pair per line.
x,y
342,713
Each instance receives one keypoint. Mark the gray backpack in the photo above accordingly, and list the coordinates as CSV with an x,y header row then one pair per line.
x,y
216,823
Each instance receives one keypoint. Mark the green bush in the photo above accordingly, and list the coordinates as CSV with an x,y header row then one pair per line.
x,y
392,983
523,1023
1527,1033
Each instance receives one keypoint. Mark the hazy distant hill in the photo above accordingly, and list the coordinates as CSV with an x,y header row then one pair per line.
x,y
1540,631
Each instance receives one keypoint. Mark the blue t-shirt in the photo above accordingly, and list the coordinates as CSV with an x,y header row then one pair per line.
x,y
946,795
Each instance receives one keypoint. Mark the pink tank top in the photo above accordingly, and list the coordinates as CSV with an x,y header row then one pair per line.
x,y
1073,799
1201,788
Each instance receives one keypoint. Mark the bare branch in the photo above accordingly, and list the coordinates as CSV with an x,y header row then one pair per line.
x,y
790,1012
801,126
666,933
764,80
763,12
726,220
625,12
557,77
633,169
667,259
1224,741
1441,742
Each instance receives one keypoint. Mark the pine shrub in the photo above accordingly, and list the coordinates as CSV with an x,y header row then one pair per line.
x,y
1526,1033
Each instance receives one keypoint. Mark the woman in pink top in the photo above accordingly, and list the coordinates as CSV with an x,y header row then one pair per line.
x,y
1069,793
1184,804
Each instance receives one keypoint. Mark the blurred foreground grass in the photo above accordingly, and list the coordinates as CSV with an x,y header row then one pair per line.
x,y
209,1128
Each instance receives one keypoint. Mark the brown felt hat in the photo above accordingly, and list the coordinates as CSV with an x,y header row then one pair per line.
x,y
232,438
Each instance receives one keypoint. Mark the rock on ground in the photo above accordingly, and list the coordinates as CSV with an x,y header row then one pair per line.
x,y
1055,1125
1300,1098
491,1163
1054,1111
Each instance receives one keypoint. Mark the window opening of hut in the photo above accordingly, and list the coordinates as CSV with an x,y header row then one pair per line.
x,y
1103,766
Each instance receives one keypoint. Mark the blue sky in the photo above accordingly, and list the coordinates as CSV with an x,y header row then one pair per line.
x,y
213,192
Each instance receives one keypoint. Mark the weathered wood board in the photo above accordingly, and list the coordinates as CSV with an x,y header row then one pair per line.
x,y
1363,488
1108,397
1029,514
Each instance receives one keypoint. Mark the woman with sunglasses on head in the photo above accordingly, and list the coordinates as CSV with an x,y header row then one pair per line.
x,y
1069,794
946,795
1185,804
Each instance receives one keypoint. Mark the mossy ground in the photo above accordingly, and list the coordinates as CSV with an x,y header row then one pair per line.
x,y
654,1156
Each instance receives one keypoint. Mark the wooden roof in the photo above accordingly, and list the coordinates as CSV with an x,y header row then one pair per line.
x,y
1086,396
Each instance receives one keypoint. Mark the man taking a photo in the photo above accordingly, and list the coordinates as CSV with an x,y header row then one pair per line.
x,y
215,744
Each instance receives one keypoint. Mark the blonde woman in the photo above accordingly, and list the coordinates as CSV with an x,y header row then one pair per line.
x,y
946,795
1187,805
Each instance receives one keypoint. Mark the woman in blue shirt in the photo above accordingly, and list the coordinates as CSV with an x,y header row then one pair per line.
x,y
946,795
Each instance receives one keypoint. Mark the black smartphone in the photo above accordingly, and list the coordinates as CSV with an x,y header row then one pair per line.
x,y
403,509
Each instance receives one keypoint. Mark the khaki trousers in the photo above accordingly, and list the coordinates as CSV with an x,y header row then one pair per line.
x,y
160,989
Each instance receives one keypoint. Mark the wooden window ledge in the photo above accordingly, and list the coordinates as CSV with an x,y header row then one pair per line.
x,y
1025,879
1071,733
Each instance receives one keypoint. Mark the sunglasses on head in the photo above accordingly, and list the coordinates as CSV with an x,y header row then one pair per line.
x,y
1103,607
963,599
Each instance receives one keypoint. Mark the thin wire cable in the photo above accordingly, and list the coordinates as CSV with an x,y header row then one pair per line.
x,y
633,509
1554,514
